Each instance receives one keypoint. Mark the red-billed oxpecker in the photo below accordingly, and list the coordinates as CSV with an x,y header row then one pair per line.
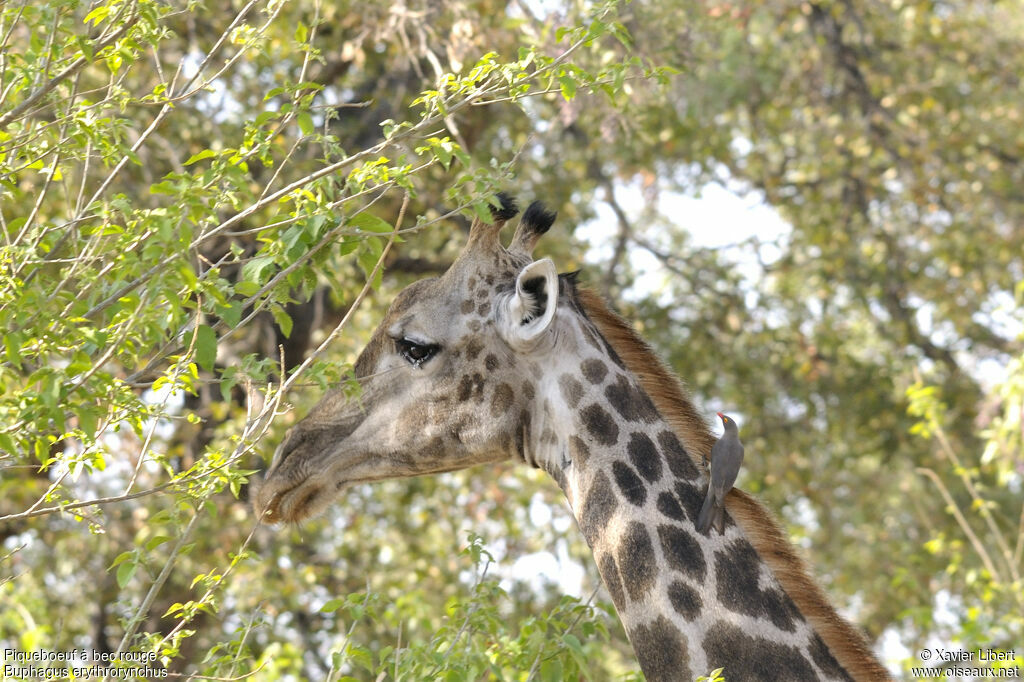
x,y
726,458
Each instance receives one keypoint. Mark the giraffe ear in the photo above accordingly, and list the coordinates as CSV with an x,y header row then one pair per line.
x,y
527,313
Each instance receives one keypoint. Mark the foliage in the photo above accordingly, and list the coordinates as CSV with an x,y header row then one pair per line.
x,y
887,136
545,647
204,210
174,191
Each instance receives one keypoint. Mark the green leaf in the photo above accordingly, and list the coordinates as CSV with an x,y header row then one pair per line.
x,y
246,288
164,187
332,605
305,122
236,485
551,671
361,657
156,541
483,211
125,572
347,245
12,344
226,384
80,363
253,270
368,257
205,154
283,320
206,347
87,420
42,450
575,650
370,223
231,313
97,15
121,558
568,87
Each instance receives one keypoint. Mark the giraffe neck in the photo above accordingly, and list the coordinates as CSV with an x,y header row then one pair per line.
x,y
689,602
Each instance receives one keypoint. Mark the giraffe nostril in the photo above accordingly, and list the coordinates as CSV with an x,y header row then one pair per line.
x,y
307,499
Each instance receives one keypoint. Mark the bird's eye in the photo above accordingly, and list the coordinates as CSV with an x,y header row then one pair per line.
x,y
416,353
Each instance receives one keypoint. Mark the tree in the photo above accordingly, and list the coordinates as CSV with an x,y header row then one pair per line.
x,y
203,213
188,201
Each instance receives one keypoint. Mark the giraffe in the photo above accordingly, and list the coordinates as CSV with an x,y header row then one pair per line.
x,y
503,358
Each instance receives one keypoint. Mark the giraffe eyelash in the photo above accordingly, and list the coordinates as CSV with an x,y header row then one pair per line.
x,y
416,353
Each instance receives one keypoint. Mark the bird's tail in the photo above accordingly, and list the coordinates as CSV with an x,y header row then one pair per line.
x,y
707,513
720,518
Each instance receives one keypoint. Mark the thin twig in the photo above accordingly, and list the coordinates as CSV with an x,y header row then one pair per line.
x,y
165,573
966,527
986,515
568,629
474,607
71,70
348,635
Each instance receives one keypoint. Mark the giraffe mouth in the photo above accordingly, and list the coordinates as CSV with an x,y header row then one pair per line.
x,y
297,502
293,503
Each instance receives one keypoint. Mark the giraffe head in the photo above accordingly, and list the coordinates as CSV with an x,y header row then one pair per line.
x,y
445,378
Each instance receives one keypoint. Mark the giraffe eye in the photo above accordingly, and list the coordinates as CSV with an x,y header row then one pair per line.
x,y
416,353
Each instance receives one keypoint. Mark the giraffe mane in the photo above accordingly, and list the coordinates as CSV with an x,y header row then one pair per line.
x,y
846,643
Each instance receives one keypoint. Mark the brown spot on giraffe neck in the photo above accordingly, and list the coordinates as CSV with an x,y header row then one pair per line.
x,y
644,455
572,390
691,499
679,461
599,504
594,370
612,580
669,506
630,485
748,657
600,425
682,552
661,649
824,659
738,571
637,561
630,402
578,450
685,600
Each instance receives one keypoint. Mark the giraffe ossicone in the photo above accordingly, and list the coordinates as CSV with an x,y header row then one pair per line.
x,y
502,358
